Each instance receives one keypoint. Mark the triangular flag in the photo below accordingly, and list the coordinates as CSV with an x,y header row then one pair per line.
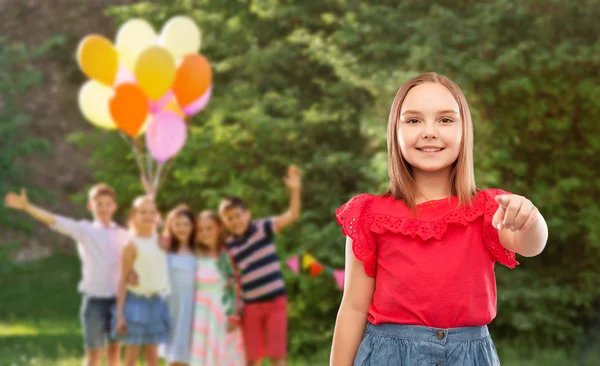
x,y
316,268
307,260
338,274
294,264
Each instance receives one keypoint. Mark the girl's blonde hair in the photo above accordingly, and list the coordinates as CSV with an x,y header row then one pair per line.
x,y
134,206
211,215
462,177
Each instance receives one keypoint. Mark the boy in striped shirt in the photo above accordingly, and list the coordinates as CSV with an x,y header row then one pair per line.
x,y
252,246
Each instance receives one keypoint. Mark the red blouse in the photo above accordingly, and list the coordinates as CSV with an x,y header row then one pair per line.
x,y
435,269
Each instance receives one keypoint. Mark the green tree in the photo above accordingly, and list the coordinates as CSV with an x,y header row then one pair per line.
x,y
312,82
17,74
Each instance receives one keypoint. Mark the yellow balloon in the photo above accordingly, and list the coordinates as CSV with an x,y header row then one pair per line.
x,y
94,101
98,59
133,37
181,36
173,106
145,125
155,71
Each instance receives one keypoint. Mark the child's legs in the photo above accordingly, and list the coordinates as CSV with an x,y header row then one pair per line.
x,y
93,357
278,362
253,329
95,320
151,354
113,354
113,350
276,331
131,355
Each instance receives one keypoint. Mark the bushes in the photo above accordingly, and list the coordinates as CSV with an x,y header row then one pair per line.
x,y
312,84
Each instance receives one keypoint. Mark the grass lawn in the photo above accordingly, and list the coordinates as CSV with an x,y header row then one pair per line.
x,y
39,322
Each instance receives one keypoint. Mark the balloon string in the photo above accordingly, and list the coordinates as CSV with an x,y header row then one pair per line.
x,y
128,141
159,167
137,152
165,173
150,167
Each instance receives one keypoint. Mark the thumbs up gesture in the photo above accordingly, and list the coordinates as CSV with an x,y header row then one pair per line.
x,y
515,213
15,201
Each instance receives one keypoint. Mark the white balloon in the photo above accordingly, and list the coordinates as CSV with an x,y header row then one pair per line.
x,y
181,36
133,37
94,99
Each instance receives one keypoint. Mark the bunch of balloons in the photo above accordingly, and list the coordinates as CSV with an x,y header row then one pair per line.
x,y
146,83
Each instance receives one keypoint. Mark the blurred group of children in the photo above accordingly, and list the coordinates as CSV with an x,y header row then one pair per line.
x,y
207,291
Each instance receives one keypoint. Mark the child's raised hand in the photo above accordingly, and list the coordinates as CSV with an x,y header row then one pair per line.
x,y
294,178
18,202
515,213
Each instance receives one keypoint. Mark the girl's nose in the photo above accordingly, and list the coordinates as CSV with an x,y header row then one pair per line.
x,y
430,130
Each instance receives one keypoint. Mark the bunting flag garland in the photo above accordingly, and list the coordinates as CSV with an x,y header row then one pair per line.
x,y
294,264
339,274
307,261
315,268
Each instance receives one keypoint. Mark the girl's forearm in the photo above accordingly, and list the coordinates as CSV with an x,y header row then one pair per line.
x,y
349,329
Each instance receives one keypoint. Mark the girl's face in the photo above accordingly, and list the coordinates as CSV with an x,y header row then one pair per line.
x,y
430,128
181,228
145,215
208,232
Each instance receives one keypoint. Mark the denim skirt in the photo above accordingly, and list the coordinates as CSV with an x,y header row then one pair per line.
x,y
412,345
147,320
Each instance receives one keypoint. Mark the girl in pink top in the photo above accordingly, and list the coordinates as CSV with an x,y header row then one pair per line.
x,y
420,259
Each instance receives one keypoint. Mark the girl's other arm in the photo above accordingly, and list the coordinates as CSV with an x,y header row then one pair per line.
x,y
20,202
352,315
129,254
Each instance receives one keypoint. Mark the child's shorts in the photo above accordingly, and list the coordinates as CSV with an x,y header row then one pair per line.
x,y
264,326
96,318
147,320
400,345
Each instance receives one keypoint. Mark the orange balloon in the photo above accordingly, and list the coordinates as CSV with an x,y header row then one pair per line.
x,y
129,108
192,80
98,59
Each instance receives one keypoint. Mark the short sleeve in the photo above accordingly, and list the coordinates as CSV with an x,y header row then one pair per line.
x,y
268,226
70,227
490,233
356,217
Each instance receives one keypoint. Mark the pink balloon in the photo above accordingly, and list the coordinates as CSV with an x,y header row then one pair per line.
x,y
199,104
158,106
166,135
124,76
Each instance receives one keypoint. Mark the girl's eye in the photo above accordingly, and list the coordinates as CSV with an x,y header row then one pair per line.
x,y
412,120
446,120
